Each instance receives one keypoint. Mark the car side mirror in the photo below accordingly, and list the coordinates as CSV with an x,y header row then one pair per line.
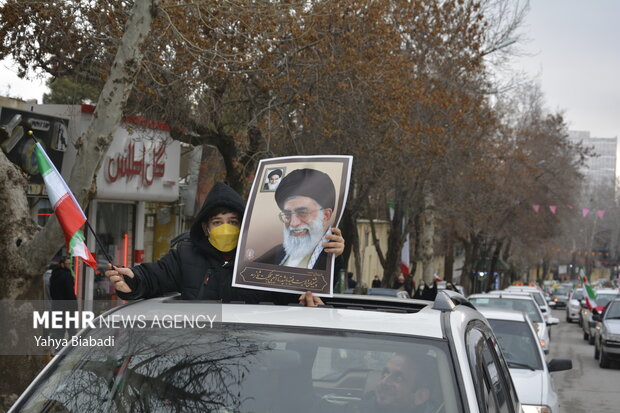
x,y
559,365
597,317
544,310
553,321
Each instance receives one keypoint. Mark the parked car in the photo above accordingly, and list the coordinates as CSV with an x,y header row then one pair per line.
x,y
573,307
523,353
587,323
538,297
607,335
518,302
264,358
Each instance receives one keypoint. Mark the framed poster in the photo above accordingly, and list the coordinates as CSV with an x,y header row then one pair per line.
x,y
293,204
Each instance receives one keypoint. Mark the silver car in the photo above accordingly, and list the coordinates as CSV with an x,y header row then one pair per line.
x,y
607,336
587,323
530,373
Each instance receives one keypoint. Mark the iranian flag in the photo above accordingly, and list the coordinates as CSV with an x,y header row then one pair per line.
x,y
590,294
67,210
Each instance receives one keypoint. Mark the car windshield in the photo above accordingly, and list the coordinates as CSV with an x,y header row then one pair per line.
x,y
243,368
603,299
538,297
518,344
525,306
577,295
540,300
613,311
560,291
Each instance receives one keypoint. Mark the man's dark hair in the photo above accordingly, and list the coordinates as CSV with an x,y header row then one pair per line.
x,y
219,210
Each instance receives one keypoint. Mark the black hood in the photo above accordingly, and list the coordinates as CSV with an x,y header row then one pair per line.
x,y
221,195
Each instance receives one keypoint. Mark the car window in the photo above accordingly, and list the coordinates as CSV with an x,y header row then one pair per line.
x,y
613,311
490,378
525,306
577,295
245,368
518,344
603,299
540,300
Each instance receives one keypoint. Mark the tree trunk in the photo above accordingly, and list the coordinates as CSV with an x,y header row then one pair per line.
x,y
448,258
25,251
428,234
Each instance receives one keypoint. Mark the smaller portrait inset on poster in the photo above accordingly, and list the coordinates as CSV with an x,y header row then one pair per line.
x,y
284,228
273,176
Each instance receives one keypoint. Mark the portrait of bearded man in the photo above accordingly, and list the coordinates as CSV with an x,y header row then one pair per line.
x,y
306,198
273,179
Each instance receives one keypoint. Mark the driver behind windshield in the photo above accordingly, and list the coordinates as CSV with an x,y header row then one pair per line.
x,y
403,387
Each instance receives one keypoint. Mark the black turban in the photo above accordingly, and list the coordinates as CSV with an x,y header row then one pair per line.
x,y
307,182
275,172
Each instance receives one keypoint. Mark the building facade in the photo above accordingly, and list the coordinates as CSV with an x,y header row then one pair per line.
x,y
135,211
601,168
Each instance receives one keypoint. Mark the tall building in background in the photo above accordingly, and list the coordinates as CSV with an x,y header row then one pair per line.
x,y
600,169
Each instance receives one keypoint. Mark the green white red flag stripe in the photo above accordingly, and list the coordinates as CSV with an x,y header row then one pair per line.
x,y
590,294
67,210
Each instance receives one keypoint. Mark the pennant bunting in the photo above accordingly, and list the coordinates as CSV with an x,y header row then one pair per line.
x,y
553,208
536,208
600,213
585,212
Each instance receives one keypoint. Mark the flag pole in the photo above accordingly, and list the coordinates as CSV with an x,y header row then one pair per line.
x,y
107,256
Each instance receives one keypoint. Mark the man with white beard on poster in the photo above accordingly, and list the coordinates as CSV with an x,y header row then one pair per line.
x,y
306,198
273,180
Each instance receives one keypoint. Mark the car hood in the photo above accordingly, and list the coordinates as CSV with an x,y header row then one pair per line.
x,y
613,326
530,385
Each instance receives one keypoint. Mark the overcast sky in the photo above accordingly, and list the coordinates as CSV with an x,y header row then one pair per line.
x,y
574,47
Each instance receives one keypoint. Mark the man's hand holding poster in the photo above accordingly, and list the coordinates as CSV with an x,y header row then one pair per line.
x,y
293,204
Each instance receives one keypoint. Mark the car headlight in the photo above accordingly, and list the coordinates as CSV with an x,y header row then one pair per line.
x,y
529,408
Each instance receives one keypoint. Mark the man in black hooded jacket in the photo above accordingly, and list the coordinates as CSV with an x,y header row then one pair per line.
x,y
201,267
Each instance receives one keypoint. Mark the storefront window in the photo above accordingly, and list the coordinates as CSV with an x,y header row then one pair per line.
x,y
115,227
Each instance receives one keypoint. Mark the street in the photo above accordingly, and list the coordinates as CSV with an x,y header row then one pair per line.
x,y
587,387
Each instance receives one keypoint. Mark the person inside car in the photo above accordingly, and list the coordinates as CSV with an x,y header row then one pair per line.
x,y
403,387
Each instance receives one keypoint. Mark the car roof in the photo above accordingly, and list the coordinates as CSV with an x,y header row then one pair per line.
x,y
607,291
504,294
524,288
498,314
343,312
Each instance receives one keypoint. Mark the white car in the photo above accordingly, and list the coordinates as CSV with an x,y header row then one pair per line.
x,y
355,354
530,373
538,295
573,308
518,302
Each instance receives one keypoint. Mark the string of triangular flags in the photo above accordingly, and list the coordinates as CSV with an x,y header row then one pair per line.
x,y
581,255
600,213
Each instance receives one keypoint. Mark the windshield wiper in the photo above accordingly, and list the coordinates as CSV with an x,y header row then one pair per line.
x,y
512,363
613,318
